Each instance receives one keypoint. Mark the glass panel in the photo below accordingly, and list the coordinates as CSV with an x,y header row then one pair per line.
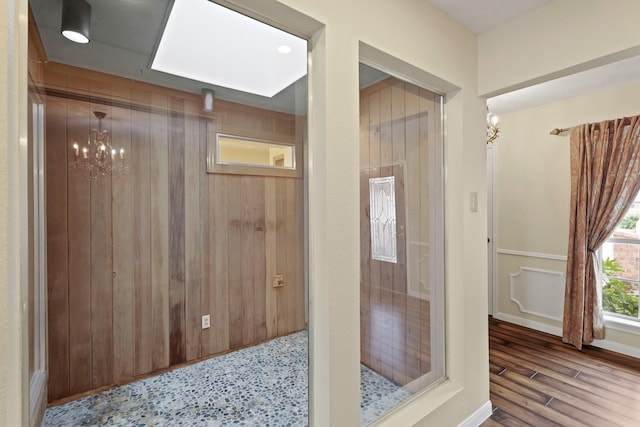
x,y
254,152
625,256
401,232
621,266
216,261
382,197
620,297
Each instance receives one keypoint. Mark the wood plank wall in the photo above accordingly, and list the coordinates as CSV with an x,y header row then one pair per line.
x,y
397,122
135,260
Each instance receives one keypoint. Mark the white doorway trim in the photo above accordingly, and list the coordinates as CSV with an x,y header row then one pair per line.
x,y
38,349
492,151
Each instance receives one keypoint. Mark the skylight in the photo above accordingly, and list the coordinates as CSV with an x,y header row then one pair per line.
x,y
207,42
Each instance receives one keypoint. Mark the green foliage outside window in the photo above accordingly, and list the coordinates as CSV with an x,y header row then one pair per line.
x,y
629,222
617,296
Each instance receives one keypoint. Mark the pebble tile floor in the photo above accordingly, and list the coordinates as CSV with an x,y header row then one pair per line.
x,y
264,385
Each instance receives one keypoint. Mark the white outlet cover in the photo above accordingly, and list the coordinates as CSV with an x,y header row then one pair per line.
x,y
206,321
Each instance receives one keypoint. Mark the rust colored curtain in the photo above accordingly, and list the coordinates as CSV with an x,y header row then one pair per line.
x,y
605,178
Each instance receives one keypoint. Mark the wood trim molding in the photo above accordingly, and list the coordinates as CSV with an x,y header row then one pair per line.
x,y
35,39
531,254
545,282
77,96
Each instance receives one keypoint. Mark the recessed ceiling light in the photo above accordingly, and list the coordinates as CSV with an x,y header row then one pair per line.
x,y
209,43
284,49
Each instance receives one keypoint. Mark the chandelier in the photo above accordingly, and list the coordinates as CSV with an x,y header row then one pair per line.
x,y
98,158
492,127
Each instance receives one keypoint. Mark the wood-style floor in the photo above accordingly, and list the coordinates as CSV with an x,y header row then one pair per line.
x,y
537,380
395,338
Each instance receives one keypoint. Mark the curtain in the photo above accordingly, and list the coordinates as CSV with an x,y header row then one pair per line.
x,y
605,178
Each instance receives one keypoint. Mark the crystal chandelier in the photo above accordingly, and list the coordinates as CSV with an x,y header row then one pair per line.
x,y
98,158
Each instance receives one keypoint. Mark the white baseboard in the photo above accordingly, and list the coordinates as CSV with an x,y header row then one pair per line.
x,y
617,347
478,417
604,344
542,327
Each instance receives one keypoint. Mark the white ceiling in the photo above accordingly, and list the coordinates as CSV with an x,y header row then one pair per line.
x,y
607,76
126,32
483,15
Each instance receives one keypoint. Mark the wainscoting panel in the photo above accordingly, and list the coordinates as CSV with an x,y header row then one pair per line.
x,y
538,292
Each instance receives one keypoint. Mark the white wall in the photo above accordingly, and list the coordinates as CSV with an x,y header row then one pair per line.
x,y
558,39
6,378
533,196
14,365
444,50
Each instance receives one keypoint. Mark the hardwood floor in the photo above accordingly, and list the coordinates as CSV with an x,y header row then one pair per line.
x,y
395,334
538,380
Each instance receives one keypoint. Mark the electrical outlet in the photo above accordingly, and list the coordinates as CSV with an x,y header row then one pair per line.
x,y
206,321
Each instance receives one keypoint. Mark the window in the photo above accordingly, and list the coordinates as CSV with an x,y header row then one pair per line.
x,y
251,156
401,241
382,198
620,256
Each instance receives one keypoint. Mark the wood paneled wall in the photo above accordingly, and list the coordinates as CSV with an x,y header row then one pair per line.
x,y
398,121
135,260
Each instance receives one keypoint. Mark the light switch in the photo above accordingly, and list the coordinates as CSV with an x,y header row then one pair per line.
x,y
474,202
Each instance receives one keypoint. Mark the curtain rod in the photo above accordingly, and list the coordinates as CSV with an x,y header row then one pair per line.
x,y
625,121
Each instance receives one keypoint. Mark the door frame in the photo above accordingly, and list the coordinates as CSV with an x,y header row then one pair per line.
x,y
38,263
492,151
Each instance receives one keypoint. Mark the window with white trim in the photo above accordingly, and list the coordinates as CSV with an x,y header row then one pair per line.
x,y
620,256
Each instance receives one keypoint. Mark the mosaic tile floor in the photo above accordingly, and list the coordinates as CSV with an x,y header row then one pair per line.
x,y
264,385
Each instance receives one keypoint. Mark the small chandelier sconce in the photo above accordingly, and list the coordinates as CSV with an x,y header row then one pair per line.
x,y
76,20
492,127
208,95
98,158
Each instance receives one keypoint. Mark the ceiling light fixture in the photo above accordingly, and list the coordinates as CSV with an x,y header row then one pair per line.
x,y
492,127
98,158
284,49
208,95
76,20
